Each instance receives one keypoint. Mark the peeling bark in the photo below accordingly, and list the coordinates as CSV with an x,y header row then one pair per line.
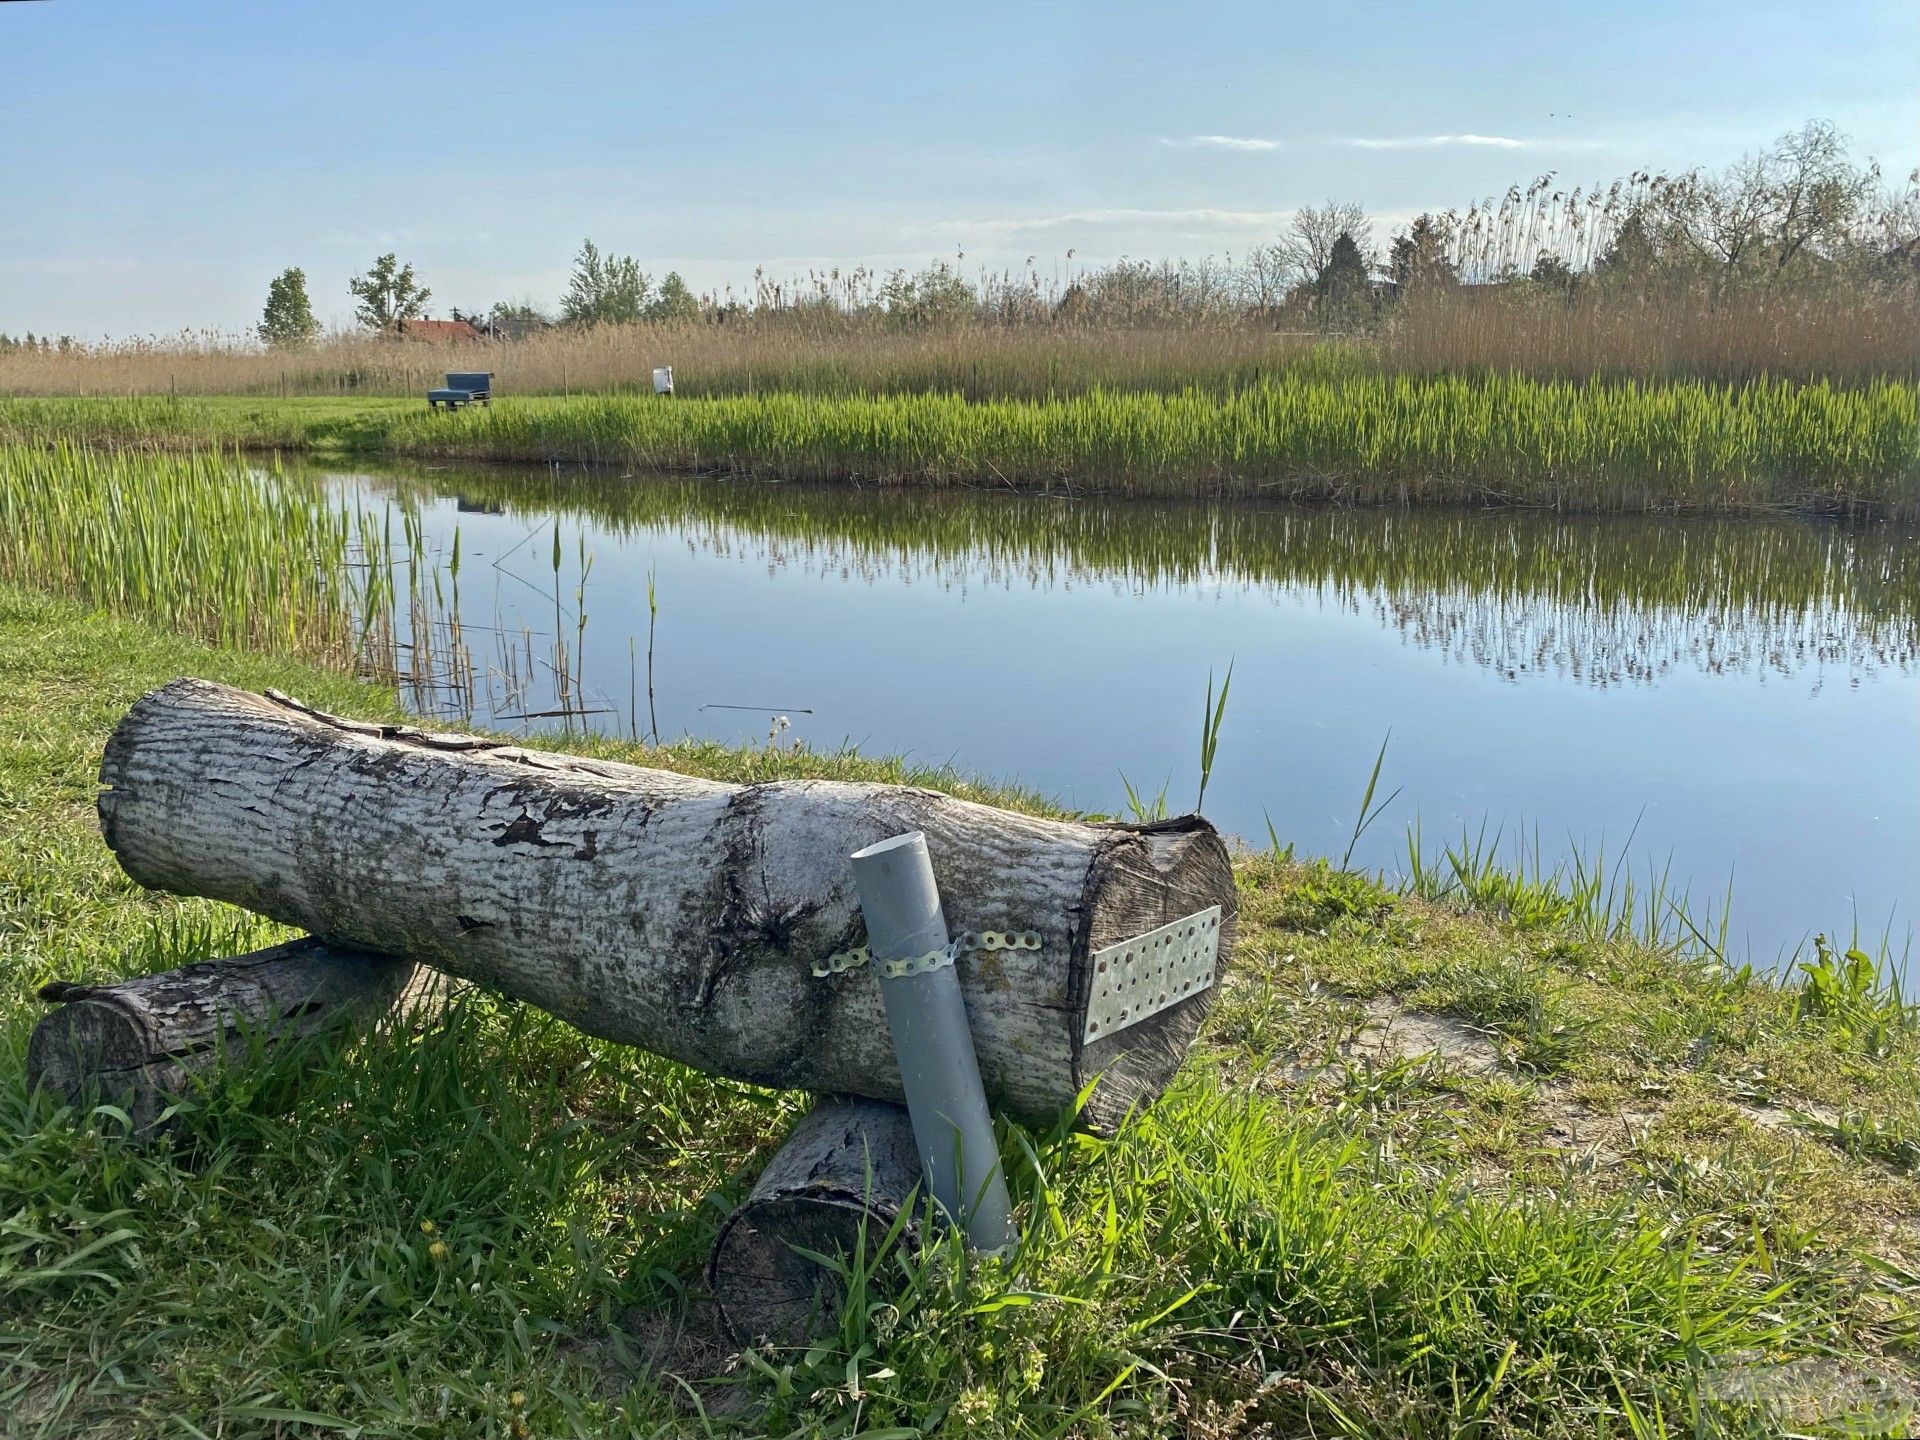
x,y
676,914
141,1042
848,1163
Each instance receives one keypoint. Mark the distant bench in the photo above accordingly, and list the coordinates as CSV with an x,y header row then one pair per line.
x,y
463,387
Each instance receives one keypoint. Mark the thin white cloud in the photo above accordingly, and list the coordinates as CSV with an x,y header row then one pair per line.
x,y
401,235
1184,219
1469,142
1437,142
1223,142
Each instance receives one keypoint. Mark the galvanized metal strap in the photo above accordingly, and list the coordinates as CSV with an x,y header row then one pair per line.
x,y
1143,976
843,960
999,940
979,941
920,964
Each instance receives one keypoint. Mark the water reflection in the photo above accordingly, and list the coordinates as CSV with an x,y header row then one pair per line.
x,y
1604,601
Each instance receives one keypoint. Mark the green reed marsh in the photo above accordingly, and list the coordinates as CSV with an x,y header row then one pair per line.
x,y
1362,438
202,543
193,541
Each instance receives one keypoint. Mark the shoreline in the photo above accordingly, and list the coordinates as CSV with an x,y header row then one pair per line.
x,y
1766,448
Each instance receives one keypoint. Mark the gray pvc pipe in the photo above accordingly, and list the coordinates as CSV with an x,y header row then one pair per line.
x,y
931,1037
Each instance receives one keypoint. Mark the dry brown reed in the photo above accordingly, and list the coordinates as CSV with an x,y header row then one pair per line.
x,y
1844,336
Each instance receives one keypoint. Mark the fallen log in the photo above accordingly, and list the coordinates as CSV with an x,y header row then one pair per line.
x,y
681,915
143,1042
849,1163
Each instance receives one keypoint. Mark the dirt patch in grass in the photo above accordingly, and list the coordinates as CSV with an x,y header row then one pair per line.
x,y
681,1348
1390,1033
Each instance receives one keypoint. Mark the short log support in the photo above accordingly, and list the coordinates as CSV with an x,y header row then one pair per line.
x,y
849,1164
142,1042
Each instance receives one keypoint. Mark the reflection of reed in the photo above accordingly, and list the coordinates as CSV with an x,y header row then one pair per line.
x,y
1608,601
1624,646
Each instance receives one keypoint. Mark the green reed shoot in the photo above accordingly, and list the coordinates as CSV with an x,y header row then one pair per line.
x,y
200,543
653,622
1213,714
1369,812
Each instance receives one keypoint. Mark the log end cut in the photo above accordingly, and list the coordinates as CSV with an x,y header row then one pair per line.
x,y
86,1041
1152,876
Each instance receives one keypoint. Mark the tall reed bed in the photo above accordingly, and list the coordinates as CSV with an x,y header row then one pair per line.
x,y
1845,334
195,541
202,543
1364,438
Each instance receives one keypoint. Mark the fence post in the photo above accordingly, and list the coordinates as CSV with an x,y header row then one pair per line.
x,y
931,1037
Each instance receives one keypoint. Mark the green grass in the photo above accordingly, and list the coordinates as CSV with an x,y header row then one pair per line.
x,y
191,541
1370,438
1296,1237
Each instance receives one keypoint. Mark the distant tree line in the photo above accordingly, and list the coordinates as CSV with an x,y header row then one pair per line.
x,y
1800,213
31,344
604,289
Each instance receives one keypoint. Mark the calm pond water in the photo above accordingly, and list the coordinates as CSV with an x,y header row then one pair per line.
x,y
1738,700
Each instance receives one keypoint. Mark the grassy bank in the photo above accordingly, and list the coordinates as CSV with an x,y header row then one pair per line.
x,y
1432,1171
1366,438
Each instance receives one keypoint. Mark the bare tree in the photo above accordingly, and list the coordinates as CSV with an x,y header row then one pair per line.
x,y
1890,229
1308,245
1800,199
1266,277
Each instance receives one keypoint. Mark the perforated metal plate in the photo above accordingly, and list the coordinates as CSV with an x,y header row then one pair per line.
x,y
1144,975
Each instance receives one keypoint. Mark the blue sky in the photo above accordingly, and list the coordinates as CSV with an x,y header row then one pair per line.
x,y
159,163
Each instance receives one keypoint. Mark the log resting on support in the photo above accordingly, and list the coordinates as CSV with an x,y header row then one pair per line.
x,y
848,1163
678,914
144,1041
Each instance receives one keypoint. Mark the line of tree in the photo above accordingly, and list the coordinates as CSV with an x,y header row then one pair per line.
x,y
31,344
604,289
613,290
386,296
1800,212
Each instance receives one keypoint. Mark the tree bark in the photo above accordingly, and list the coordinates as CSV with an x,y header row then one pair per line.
x,y
677,914
142,1042
848,1163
